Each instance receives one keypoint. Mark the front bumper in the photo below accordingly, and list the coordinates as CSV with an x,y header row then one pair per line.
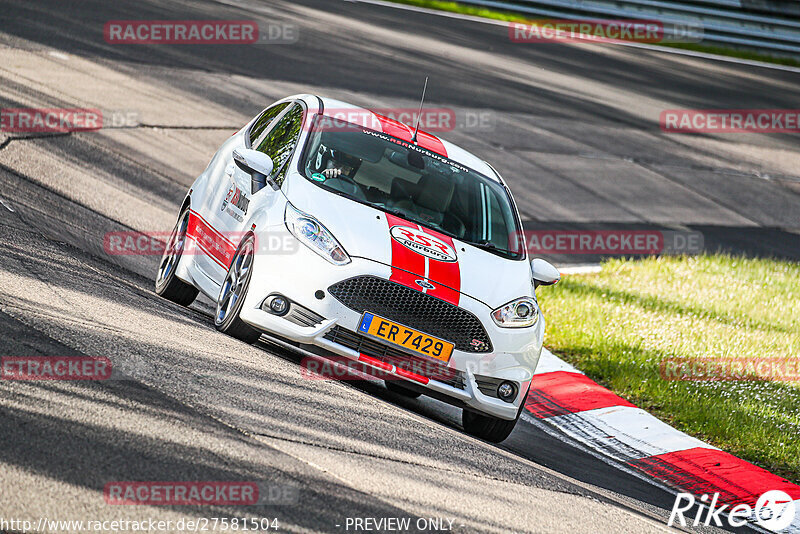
x,y
300,275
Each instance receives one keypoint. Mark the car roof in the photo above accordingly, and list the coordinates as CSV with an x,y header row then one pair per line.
x,y
360,115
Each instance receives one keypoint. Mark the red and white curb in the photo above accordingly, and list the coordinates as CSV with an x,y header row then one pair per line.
x,y
565,399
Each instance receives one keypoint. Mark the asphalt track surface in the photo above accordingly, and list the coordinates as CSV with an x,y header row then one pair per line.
x,y
574,130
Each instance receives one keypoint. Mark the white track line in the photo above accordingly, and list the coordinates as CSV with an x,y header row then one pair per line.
x,y
549,362
6,206
664,49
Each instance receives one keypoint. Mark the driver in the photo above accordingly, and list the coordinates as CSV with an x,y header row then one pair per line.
x,y
339,164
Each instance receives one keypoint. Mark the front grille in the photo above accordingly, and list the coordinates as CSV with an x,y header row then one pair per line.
x,y
364,345
415,309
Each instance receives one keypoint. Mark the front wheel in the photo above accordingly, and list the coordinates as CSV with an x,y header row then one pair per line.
x,y
232,294
395,387
487,427
168,285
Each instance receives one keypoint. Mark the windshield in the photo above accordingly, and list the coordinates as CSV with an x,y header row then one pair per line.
x,y
401,178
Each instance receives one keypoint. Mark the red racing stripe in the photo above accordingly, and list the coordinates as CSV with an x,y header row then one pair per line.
x,y
411,375
561,393
401,131
447,274
210,241
374,362
211,228
710,471
407,265
394,128
432,143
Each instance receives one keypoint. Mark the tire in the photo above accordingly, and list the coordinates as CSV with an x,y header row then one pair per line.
x,y
491,428
168,285
487,427
233,292
395,387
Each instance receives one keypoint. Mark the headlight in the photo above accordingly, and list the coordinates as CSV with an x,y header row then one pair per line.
x,y
517,314
312,234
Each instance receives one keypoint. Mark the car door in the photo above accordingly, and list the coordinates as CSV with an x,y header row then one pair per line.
x,y
228,203
278,142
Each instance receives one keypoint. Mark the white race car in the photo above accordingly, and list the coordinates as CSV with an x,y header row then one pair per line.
x,y
362,238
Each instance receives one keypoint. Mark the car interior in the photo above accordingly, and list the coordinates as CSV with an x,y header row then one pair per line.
x,y
416,186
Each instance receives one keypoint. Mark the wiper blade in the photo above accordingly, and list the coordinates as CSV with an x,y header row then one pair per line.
x,y
488,245
409,217
396,212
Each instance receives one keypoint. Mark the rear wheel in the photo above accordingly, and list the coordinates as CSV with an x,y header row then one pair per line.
x,y
232,294
396,387
168,285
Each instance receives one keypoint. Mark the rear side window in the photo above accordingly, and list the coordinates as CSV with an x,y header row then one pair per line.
x,y
263,121
280,142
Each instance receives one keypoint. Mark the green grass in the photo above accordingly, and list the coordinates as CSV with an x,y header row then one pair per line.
x,y
507,16
619,324
464,9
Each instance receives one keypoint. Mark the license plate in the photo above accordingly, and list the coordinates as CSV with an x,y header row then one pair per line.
x,y
409,339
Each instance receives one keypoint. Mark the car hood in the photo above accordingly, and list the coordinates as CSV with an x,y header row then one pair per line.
x,y
413,252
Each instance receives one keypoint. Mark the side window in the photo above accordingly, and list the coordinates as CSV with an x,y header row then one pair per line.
x,y
280,142
263,121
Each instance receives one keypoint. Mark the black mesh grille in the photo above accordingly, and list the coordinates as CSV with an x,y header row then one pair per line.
x,y
415,309
364,345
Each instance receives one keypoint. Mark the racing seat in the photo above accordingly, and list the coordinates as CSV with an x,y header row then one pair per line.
x,y
429,200
403,192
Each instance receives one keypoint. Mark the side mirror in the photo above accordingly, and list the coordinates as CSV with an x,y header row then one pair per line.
x,y
258,165
544,274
